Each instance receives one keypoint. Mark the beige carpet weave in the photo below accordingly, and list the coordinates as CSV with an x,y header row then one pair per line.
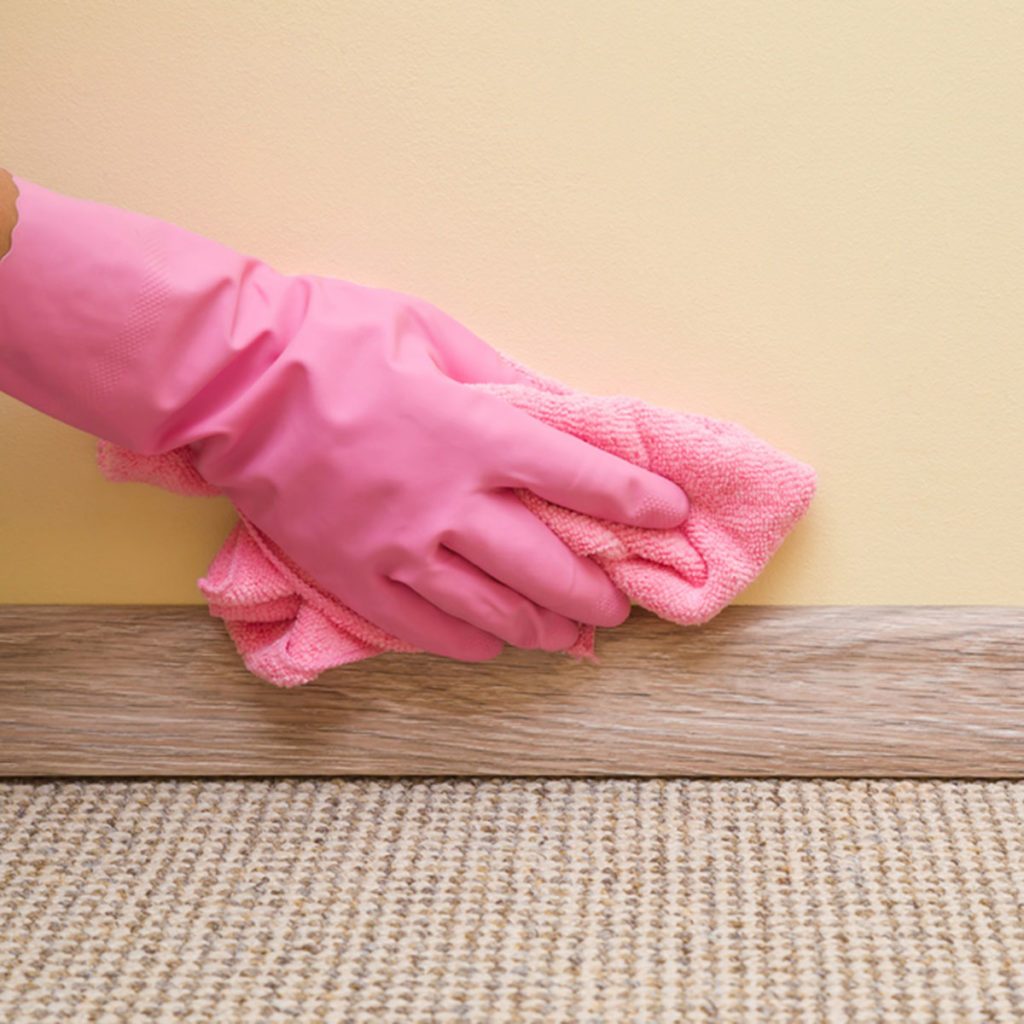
x,y
516,900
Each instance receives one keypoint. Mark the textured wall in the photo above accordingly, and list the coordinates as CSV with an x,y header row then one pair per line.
x,y
805,216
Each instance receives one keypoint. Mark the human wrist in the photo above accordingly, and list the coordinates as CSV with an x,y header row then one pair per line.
x,y
8,210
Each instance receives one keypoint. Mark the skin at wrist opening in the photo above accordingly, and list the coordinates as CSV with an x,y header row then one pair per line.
x,y
8,210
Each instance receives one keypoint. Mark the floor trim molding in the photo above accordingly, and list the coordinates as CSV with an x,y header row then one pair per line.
x,y
158,690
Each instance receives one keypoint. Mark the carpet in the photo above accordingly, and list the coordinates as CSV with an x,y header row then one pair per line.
x,y
337,900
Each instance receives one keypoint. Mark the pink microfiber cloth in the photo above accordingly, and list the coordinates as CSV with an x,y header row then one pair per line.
x,y
745,496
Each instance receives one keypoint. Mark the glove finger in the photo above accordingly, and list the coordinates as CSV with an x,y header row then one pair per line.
x,y
454,585
567,471
410,617
506,540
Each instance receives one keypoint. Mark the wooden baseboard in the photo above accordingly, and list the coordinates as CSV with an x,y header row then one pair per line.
x,y
152,690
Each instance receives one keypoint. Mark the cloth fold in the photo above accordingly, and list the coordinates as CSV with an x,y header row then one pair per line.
x,y
745,496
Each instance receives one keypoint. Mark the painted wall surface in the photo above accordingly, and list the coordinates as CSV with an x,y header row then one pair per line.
x,y
804,215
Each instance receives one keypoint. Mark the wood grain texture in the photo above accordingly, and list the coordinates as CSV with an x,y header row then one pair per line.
x,y
797,691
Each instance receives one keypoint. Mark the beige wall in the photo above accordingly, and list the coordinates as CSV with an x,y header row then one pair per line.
x,y
804,216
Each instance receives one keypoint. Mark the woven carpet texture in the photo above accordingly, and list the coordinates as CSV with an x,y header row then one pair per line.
x,y
336,900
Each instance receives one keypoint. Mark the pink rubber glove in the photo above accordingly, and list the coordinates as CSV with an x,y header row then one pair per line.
x,y
335,416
